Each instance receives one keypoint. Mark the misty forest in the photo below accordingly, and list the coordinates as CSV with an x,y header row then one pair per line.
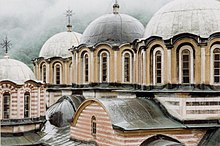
x,y
28,24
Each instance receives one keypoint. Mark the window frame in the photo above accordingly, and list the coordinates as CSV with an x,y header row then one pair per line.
x,y
212,68
130,67
93,126
6,95
101,67
55,66
158,49
28,104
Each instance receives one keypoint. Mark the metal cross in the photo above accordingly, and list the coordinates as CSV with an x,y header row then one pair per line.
x,y
6,44
69,15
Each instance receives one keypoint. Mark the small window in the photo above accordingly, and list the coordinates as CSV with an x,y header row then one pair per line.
x,y
6,105
86,71
104,67
186,66
44,73
26,104
127,68
93,126
216,65
158,67
58,74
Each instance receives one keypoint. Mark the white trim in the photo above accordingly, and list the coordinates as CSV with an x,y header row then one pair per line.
x,y
203,59
100,66
131,67
189,48
115,66
162,65
54,72
169,71
211,76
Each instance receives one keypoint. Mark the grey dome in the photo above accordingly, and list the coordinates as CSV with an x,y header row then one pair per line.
x,y
15,71
62,112
113,29
58,45
198,17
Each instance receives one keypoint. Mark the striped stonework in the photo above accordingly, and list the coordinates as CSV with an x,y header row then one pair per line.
x,y
105,134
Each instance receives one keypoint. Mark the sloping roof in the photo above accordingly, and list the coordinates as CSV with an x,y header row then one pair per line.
x,y
137,114
162,142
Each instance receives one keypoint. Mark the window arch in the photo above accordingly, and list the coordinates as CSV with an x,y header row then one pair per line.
x,y
6,105
57,73
186,65
93,126
158,66
26,104
70,73
43,72
215,64
104,66
85,67
127,67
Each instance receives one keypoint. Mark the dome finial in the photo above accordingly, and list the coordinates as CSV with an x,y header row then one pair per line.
x,y
6,44
116,7
69,15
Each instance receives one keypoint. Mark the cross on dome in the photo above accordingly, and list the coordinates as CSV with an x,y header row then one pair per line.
x,y
6,44
116,7
69,15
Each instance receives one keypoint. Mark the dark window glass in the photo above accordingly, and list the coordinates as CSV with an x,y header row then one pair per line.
x,y
158,67
127,67
186,66
57,69
26,104
93,126
86,68
216,62
6,105
104,67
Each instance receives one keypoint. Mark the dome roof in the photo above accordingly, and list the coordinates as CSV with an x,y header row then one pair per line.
x,y
114,29
15,71
58,45
198,17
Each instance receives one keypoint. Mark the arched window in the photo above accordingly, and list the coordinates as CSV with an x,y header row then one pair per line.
x,y
43,73
86,68
26,104
127,67
6,105
186,65
104,67
216,65
71,73
158,66
93,126
57,73
141,67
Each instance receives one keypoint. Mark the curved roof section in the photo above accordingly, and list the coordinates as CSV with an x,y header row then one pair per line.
x,y
58,45
113,29
15,71
62,112
198,17
136,114
211,139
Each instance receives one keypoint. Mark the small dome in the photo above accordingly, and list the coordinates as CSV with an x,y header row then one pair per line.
x,y
198,17
58,45
114,29
14,70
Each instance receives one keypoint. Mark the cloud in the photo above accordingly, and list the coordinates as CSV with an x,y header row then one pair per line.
x,y
29,23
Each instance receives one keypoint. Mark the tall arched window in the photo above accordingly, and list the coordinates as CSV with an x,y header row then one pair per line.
x,y
6,105
93,126
26,104
57,73
141,67
104,66
158,61
186,65
43,73
70,73
216,65
127,67
86,68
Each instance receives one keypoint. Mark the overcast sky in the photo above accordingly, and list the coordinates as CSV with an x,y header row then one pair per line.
x,y
29,23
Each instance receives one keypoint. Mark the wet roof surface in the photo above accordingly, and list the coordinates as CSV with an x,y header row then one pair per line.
x,y
137,114
113,29
162,142
213,139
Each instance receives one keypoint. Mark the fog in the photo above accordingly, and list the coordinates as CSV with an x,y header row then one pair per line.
x,y
29,23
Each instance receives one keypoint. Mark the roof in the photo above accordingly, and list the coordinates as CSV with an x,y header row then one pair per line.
x,y
137,114
198,17
162,142
62,112
15,71
58,45
113,29
211,139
